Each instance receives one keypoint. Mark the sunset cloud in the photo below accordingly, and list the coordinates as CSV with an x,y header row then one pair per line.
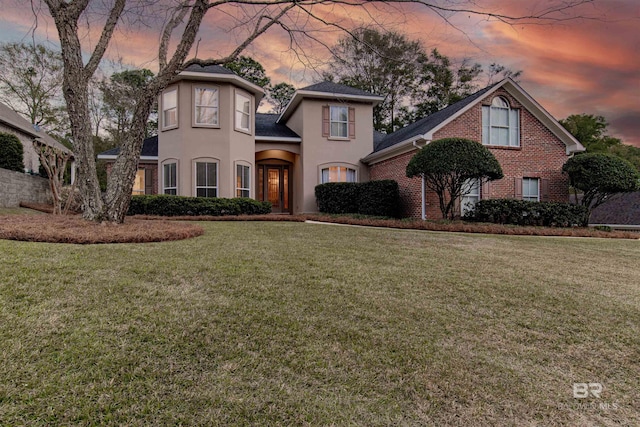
x,y
576,66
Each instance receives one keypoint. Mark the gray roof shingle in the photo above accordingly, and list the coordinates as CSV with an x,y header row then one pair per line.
x,y
623,209
16,121
149,148
266,126
211,69
337,88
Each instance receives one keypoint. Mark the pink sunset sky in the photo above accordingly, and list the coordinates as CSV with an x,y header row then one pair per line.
x,y
584,65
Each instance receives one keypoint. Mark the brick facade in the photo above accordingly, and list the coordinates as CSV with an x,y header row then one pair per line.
x,y
540,155
151,171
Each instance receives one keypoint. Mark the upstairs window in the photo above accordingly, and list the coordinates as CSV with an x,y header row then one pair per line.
x,y
243,112
338,122
338,174
500,124
205,109
170,109
206,179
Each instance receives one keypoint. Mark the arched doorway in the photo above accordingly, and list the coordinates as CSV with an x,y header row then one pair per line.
x,y
274,179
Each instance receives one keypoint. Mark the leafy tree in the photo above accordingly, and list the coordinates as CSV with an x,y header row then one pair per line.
x,y
31,83
280,95
249,69
383,63
11,153
591,131
82,55
119,96
442,85
599,176
627,152
448,164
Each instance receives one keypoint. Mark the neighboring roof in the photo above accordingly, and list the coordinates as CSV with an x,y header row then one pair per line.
x,y
218,73
328,90
267,128
403,140
149,150
16,121
621,209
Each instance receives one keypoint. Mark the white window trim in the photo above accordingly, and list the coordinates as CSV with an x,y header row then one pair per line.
x,y
194,121
338,165
173,126
487,109
248,165
331,122
236,111
166,163
194,166
529,197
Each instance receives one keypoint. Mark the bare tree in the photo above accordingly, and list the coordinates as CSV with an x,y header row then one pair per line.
x,y
54,161
255,17
30,83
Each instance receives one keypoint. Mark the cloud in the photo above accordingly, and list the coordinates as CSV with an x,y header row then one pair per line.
x,y
575,66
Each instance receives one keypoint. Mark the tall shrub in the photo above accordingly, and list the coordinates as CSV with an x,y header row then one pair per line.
x,y
11,152
600,176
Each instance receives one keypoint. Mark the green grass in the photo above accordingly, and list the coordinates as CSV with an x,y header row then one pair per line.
x,y
301,324
18,211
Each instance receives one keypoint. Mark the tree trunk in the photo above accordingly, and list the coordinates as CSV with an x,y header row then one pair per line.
x,y
76,94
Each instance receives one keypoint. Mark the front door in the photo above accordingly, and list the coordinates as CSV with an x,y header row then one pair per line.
x,y
274,186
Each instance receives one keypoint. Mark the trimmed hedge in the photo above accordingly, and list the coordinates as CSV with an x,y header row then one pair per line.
x,y
521,212
379,198
164,205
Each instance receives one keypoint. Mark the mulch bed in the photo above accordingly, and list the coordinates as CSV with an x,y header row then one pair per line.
x,y
75,229
144,228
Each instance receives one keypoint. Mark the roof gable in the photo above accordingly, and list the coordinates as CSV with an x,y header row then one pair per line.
x,y
424,128
17,122
329,91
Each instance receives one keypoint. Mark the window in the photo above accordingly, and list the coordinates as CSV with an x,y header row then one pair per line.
x,y
472,189
243,181
170,109
169,179
531,189
339,120
205,109
243,112
338,174
206,179
500,124
138,183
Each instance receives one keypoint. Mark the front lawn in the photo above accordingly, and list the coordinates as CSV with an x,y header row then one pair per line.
x,y
282,323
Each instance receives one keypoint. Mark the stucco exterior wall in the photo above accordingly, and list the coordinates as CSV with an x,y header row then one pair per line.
x,y
318,152
187,144
540,155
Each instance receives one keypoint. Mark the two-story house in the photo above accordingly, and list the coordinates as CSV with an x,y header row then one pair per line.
x,y
212,143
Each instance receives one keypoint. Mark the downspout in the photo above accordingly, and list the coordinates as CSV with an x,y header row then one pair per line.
x,y
423,201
